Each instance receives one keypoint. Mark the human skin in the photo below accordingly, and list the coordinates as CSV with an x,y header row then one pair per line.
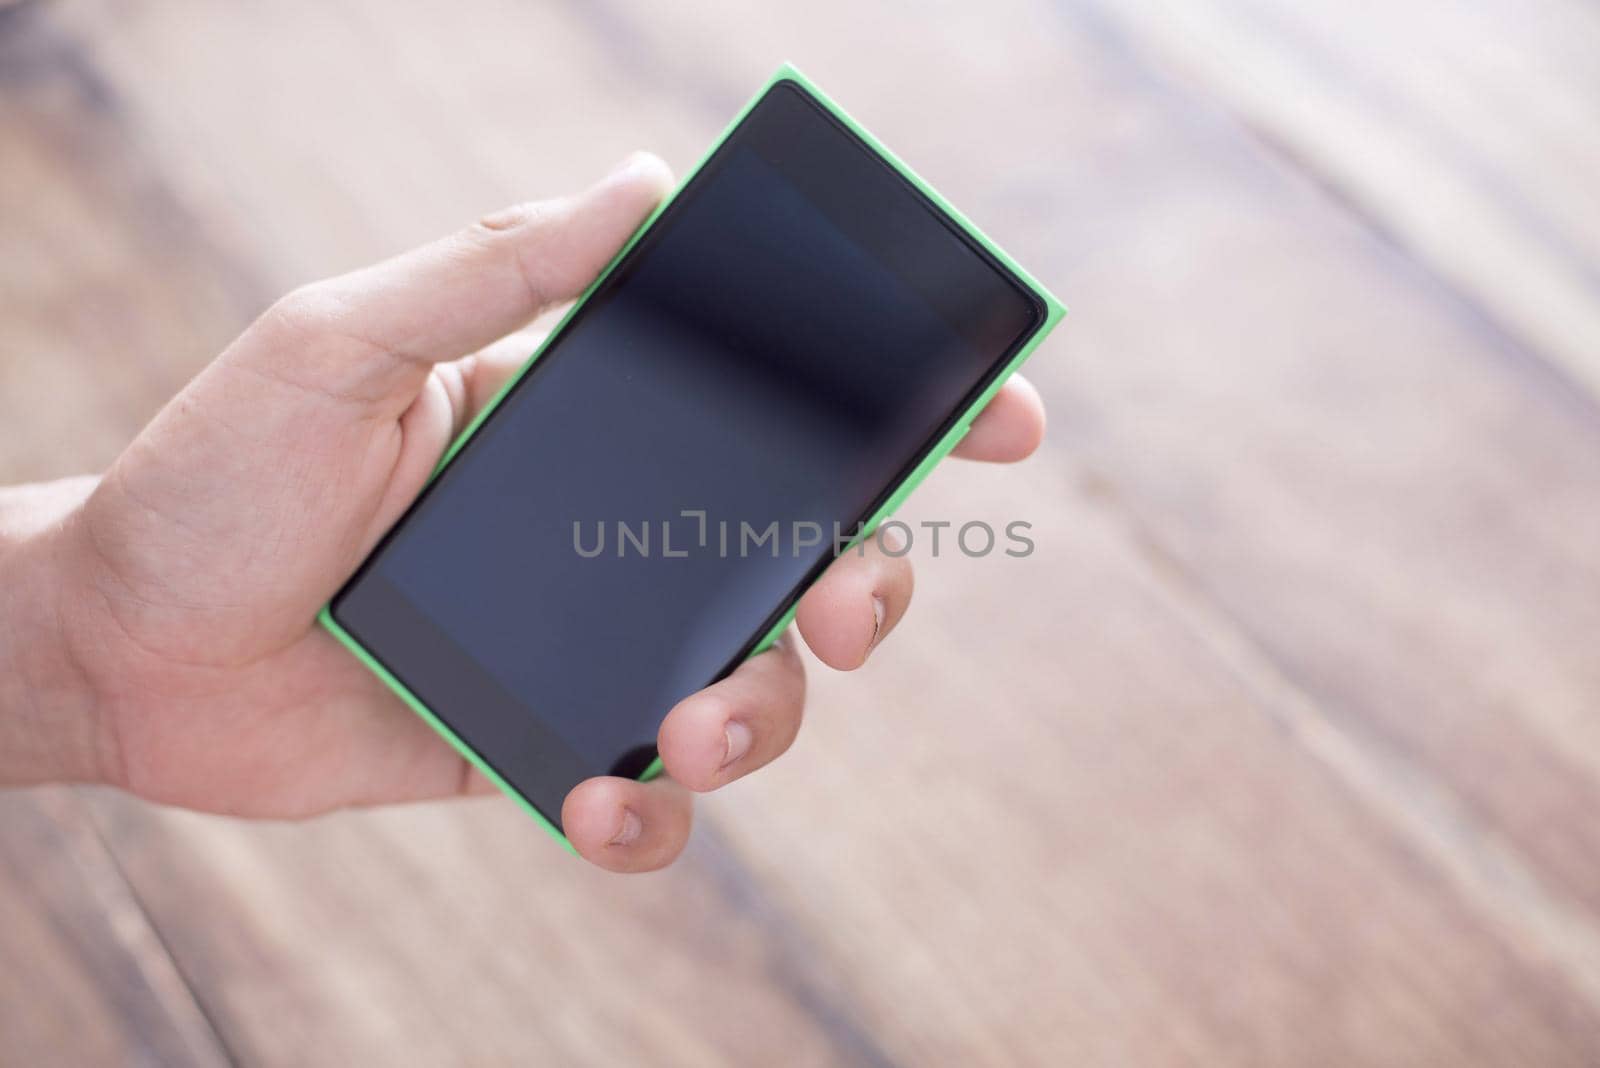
x,y
157,633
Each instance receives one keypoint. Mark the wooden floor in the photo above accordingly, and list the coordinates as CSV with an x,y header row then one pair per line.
x,y
1283,748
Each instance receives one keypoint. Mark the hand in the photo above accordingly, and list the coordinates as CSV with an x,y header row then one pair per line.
x,y
186,580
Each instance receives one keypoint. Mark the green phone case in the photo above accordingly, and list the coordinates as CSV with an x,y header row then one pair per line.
x,y
1054,310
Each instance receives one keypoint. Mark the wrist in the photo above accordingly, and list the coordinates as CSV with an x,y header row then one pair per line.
x,y
49,727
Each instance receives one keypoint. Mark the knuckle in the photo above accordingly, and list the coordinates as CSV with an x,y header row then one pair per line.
x,y
523,233
303,314
310,340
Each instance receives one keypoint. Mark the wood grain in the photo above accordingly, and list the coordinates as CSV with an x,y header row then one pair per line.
x,y
112,294
1467,135
1280,748
446,934
86,980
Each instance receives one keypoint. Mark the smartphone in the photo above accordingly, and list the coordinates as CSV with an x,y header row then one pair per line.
x,y
757,380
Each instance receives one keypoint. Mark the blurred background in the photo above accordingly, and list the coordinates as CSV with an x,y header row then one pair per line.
x,y
1282,748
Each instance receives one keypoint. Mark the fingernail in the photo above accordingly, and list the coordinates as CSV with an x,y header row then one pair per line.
x,y
735,740
631,826
879,609
627,165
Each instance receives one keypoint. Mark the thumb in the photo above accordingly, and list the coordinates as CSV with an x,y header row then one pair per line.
x,y
371,335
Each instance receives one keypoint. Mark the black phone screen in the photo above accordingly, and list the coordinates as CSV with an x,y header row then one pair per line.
x,y
776,353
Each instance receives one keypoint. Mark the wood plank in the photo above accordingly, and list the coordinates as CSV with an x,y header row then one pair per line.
x,y
458,935
111,301
1365,476
1213,784
86,980
1468,134
361,141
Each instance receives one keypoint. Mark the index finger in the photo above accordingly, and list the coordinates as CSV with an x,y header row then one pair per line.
x,y
1009,428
